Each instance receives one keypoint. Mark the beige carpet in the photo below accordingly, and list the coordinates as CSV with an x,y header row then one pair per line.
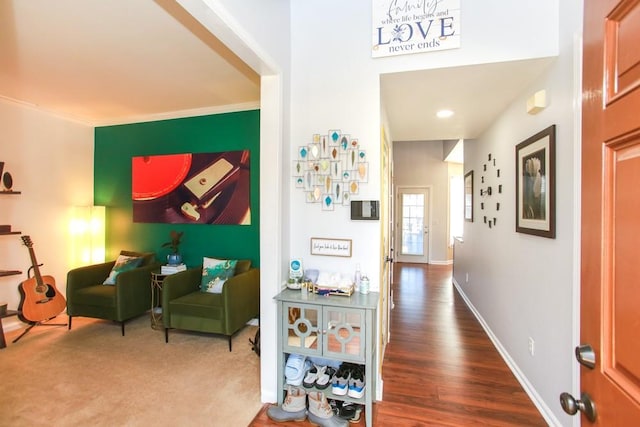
x,y
93,376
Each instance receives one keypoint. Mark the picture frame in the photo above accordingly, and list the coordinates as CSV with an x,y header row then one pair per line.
x,y
468,196
331,247
535,184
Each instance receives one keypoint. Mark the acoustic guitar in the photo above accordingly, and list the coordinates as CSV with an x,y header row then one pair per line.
x,y
40,299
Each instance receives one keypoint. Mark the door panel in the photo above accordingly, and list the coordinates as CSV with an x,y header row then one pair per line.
x,y
610,293
413,230
386,242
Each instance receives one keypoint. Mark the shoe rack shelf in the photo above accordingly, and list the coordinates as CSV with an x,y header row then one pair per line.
x,y
339,328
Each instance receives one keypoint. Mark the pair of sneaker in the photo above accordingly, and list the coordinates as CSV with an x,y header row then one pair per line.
x,y
296,368
349,380
349,411
319,377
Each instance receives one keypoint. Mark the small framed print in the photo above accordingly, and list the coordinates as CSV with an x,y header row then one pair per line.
x,y
327,202
312,196
352,159
468,196
331,247
346,198
354,187
299,167
363,172
535,184
334,136
336,170
309,180
314,151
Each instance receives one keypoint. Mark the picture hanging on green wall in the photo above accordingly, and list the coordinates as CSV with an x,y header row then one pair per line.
x,y
200,188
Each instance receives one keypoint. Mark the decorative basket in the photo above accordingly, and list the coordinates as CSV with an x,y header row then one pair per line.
x,y
342,291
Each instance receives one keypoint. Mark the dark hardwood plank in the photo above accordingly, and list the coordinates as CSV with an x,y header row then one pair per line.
x,y
440,368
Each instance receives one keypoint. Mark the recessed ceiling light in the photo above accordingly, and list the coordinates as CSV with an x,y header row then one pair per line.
x,y
443,114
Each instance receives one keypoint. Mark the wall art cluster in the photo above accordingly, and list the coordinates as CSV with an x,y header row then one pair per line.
x,y
331,169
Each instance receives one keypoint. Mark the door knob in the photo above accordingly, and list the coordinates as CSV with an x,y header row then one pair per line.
x,y
586,356
585,405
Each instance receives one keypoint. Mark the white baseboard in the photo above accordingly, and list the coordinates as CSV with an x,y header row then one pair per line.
x,y
440,262
11,324
545,411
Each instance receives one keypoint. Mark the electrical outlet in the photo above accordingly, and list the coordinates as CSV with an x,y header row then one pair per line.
x,y
532,347
467,278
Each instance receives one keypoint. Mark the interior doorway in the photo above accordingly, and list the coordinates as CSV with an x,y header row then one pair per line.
x,y
413,207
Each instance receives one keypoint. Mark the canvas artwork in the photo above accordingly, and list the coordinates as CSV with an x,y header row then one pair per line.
x,y
200,188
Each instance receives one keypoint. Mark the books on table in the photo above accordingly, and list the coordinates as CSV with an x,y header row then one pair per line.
x,y
172,269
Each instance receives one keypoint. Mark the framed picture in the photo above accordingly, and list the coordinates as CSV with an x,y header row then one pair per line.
x,y
535,184
468,196
331,247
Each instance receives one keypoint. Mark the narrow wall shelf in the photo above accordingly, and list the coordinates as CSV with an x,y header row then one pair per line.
x,y
10,192
4,273
4,233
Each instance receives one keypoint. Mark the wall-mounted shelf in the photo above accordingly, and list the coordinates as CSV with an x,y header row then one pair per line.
x,y
4,273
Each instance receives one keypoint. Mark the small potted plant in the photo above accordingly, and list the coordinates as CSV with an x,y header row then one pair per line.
x,y
174,258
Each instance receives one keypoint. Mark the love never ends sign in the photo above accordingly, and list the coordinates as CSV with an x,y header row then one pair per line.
x,y
414,26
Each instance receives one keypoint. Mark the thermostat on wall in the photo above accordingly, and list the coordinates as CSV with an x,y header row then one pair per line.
x,y
365,209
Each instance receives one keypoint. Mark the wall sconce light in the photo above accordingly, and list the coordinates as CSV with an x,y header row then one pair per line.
x,y
87,234
537,102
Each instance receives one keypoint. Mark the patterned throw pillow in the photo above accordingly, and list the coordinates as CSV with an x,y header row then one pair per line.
x,y
123,263
215,272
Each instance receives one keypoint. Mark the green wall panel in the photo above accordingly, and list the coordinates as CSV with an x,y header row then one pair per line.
x,y
116,145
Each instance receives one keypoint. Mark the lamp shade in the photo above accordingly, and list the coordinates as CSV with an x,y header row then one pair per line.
x,y
87,229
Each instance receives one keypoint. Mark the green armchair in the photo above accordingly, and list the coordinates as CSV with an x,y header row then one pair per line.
x,y
129,297
185,306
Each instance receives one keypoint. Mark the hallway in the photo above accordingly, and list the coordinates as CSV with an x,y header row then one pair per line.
x,y
440,368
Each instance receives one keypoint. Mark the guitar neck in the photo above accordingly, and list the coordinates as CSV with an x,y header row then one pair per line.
x,y
34,264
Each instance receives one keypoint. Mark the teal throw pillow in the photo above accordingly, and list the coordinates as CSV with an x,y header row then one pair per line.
x,y
123,263
215,273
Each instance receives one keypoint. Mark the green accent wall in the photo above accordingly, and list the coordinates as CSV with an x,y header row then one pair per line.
x,y
116,145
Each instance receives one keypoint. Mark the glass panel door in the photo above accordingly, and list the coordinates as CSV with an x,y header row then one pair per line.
x,y
414,228
344,334
301,329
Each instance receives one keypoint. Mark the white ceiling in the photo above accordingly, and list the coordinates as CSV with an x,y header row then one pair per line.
x,y
115,61
105,62
476,94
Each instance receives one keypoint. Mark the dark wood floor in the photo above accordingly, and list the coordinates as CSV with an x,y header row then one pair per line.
x,y
440,368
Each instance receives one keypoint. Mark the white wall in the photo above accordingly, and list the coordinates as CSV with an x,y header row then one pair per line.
x,y
420,164
258,32
334,83
51,161
521,285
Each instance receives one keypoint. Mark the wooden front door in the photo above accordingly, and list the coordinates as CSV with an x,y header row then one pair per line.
x,y
610,264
